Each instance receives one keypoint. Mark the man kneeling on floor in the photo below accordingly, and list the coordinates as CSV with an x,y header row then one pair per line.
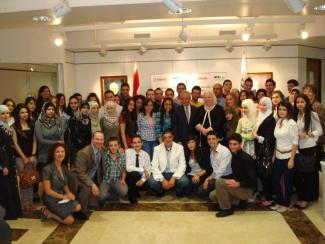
x,y
113,185
240,184
168,167
137,167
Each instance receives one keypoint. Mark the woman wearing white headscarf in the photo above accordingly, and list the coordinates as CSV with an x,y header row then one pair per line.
x,y
264,146
109,123
9,197
94,116
246,126
210,117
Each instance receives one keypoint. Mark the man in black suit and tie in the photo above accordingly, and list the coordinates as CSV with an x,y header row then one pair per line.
x,y
183,118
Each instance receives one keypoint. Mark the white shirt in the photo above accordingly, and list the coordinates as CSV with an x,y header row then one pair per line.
x,y
144,162
315,128
286,137
188,108
177,164
220,161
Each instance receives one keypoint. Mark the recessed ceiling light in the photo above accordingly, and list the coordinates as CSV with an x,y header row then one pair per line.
x,y
320,7
42,18
181,11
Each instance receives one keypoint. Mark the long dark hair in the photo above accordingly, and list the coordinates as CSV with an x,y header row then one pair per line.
x,y
51,152
163,111
130,117
146,102
40,101
17,124
308,111
58,97
137,97
69,110
27,100
288,106
187,152
9,100
93,94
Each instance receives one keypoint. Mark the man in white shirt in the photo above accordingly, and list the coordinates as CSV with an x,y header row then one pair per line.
x,y
220,163
168,167
137,167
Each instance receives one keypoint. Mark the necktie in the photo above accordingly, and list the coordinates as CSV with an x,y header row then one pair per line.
x,y
97,158
137,160
187,114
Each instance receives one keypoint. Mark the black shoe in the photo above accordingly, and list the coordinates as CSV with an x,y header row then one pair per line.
x,y
81,216
242,204
224,213
133,201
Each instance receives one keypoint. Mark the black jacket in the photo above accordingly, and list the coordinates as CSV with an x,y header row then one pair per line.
x,y
202,156
181,128
266,129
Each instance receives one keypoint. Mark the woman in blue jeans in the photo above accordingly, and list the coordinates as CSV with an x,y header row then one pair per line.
x,y
286,135
146,123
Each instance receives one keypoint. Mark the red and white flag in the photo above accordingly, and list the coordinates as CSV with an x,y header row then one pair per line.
x,y
136,81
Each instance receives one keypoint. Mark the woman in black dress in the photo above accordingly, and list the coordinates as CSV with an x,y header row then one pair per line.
x,y
264,144
79,131
210,117
9,197
58,200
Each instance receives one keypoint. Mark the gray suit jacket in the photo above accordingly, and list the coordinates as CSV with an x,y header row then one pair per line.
x,y
85,162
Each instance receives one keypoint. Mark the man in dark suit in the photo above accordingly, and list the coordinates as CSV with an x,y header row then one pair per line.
x,y
87,172
183,118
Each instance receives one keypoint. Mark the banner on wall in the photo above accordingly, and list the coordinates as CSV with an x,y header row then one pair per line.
x,y
204,80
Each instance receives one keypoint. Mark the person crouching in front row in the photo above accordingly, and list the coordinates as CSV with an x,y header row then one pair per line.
x,y
168,167
241,183
113,184
137,167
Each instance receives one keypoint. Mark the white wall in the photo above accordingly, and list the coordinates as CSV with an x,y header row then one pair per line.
x,y
282,61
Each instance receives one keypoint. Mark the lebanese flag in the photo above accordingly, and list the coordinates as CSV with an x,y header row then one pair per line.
x,y
136,81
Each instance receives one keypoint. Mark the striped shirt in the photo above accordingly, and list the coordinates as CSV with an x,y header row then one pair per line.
x,y
145,129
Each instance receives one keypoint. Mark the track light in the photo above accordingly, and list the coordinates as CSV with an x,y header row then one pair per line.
x,y
179,49
142,50
102,51
61,9
229,48
248,32
267,45
176,8
304,34
296,6
182,35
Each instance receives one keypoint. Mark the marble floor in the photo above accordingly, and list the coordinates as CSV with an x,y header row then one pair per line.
x,y
172,220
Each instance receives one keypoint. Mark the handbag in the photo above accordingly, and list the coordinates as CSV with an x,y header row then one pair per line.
x,y
264,161
28,178
305,164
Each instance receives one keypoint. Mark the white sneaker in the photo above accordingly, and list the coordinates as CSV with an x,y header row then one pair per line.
x,y
275,207
282,209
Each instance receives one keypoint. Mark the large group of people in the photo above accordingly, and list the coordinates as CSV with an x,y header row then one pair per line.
x,y
224,143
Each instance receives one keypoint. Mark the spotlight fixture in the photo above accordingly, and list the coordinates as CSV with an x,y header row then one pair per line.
x,y
61,9
42,18
176,8
31,69
182,35
296,6
142,50
57,21
320,7
179,49
267,45
58,41
304,34
248,32
103,51
229,48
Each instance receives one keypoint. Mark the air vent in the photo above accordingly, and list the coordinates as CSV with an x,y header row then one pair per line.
x,y
227,33
141,36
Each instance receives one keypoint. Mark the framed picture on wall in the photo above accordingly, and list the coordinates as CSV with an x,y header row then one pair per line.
x,y
112,83
259,78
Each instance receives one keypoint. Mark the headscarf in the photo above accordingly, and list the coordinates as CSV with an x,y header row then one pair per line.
x,y
263,115
4,125
112,118
80,117
251,117
44,119
94,118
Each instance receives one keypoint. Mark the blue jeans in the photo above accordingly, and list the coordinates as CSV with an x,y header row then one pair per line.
x,y
281,168
181,185
148,147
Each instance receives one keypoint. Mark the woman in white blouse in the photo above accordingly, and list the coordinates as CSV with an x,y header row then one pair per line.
x,y
286,135
309,130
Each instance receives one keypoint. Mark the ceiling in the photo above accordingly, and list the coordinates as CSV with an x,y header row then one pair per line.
x,y
79,25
